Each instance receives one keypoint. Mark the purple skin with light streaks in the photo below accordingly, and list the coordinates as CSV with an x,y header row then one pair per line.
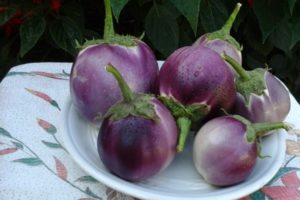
x,y
194,83
93,90
221,152
225,149
272,106
220,46
197,75
221,41
136,148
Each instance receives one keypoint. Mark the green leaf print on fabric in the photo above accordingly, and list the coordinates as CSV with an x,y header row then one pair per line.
x,y
4,132
89,179
29,161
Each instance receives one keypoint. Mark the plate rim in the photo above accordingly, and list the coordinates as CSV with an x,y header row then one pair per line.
x,y
133,190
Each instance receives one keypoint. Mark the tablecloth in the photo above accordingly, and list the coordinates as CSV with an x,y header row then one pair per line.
x,y
34,163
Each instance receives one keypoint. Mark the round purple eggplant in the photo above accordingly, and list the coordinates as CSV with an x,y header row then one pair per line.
x,y
92,89
225,149
261,97
138,135
195,82
221,40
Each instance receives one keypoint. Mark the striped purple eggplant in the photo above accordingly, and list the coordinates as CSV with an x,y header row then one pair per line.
x,y
92,89
195,82
138,136
221,41
261,97
225,149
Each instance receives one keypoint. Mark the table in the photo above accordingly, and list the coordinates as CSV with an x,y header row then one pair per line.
x,y
35,165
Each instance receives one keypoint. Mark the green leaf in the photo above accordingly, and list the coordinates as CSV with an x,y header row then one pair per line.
x,y
89,192
213,14
291,5
55,104
4,132
162,29
286,36
65,32
74,10
257,195
281,172
117,6
7,14
30,32
18,145
190,10
269,14
89,179
30,161
52,145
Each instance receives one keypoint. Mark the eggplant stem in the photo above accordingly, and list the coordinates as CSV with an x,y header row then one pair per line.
x,y
184,125
262,128
236,66
108,25
228,24
126,91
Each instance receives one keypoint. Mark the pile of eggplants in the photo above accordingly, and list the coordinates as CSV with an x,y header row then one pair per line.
x,y
146,114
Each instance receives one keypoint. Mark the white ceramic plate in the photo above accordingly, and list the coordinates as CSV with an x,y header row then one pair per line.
x,y
180,180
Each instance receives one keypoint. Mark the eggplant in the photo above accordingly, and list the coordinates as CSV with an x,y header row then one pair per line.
x,y
93,90
221,41
226,148
261,96
195,82
138,135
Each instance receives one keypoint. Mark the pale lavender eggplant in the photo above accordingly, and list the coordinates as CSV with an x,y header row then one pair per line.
x,y
221,41
225,148
138,136
220,46
136,148
272,106
261,96
93,90
198,79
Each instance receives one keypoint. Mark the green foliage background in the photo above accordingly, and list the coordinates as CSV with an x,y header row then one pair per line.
x,y
269,30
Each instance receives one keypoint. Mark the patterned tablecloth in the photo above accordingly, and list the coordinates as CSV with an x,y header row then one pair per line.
x,y
35,165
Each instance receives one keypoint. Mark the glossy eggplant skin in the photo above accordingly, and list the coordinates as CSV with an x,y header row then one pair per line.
x,y
272,106
94,91
221,152
136,148
198,75
220,46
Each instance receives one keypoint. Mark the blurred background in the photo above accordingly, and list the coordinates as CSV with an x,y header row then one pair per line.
x,y
46,30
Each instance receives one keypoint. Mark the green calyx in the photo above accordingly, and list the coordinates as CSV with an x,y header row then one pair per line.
x,y
109,37
255,85
123,40
224,32
194,112
248,82
133,104
185,116
255,131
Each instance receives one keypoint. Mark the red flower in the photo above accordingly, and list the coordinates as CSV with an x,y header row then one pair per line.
x,y
16,20
2,9
55,5
250,3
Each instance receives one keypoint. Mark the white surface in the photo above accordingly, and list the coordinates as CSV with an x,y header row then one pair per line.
x,y
178,181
